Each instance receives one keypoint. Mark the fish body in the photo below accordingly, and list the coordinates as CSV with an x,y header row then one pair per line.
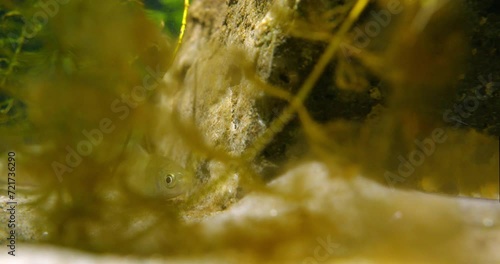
x,y
156,175
168,178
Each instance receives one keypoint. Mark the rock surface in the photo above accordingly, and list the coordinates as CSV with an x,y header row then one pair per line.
x,y
327,220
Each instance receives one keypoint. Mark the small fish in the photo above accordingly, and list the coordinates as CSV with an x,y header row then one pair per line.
x,y
169,178
153,174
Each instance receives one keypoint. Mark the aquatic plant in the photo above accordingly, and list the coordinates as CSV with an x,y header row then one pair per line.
x,y
112,145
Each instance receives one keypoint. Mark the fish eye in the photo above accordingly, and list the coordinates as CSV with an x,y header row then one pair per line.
x,y
169,179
